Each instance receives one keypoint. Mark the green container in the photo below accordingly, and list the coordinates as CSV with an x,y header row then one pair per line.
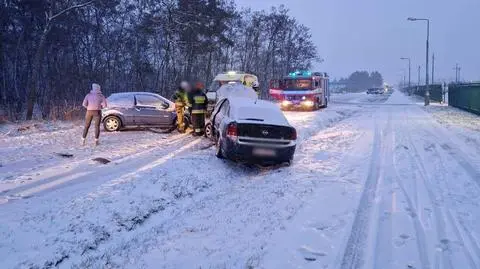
x,y
465,96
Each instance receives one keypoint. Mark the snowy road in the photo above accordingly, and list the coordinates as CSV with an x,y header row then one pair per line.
x,y
377,182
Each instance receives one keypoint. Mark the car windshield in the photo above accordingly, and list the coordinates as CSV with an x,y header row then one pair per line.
x,y
216,84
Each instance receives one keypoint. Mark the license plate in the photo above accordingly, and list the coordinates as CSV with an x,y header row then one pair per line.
x,y
264,152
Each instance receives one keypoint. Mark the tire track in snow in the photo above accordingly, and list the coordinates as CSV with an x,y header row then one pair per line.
x,y
119,225
353,257
441,260
473,242
463,241
60,175
383,212
413,205
58,172
458,155
449,217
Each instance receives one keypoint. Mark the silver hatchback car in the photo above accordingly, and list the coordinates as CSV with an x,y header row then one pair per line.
x,y
138,109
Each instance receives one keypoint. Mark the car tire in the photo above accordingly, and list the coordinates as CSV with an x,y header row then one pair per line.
x,y
172,128
112,124
209,131
218,152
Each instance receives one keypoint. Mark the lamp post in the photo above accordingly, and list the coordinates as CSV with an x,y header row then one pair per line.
x,y
427,89
409,70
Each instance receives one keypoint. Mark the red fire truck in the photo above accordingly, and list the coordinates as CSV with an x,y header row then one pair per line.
x,y
301,90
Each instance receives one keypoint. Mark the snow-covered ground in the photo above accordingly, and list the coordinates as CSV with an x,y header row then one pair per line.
x,y
377,182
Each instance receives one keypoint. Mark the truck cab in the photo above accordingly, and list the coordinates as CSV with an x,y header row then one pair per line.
x,y
301,90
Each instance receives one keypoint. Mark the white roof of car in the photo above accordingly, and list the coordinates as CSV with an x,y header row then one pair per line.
x,y
256,110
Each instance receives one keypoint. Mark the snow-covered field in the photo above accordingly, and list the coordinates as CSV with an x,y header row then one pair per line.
x,y
377,182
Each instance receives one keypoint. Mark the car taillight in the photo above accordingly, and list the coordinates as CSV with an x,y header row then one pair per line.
x,y
293,134
232,130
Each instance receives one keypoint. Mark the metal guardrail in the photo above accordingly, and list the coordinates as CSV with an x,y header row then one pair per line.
x,y
436,91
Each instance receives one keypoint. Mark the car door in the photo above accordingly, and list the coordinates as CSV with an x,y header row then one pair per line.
x,y
152,110
218,114
123,104
223,120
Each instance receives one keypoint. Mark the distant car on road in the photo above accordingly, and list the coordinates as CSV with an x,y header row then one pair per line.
x,y
138,109
252,130
376,91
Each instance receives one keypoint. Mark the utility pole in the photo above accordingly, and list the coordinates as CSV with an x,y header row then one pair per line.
x,y
433,68
409,70
457,73
427,88
419,69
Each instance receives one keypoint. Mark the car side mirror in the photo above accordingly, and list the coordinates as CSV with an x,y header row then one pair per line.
x,y
164,106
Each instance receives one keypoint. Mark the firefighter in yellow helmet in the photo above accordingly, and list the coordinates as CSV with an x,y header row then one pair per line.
x,y
198,101
181,101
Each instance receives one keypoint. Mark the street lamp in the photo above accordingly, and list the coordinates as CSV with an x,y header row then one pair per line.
x,y
427,90
409,71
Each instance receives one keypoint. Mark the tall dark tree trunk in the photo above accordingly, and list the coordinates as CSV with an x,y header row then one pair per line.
x,y
33,82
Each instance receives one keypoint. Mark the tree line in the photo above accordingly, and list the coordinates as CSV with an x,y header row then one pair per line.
x,y
52,50
362,80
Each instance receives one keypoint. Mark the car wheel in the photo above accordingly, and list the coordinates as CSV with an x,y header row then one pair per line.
x,y
172,128
218,152
209,131
112,124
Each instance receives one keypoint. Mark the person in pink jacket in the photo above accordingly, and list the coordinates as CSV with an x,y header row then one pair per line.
x,y
94,102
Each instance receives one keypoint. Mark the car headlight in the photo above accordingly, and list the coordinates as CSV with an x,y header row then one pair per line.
x,y
285,103
308,103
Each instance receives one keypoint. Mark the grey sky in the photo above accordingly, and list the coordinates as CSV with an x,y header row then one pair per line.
x,y
374,34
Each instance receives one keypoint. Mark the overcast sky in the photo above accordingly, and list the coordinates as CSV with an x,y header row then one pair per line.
x,y
373,34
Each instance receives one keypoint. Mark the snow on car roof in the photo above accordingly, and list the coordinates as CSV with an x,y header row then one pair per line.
x,y
134,93
247,109
236,90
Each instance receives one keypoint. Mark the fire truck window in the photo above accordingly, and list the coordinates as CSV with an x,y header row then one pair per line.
x,y
298,84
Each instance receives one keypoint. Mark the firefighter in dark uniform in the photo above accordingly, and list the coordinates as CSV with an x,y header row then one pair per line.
x,y
198,101
181,101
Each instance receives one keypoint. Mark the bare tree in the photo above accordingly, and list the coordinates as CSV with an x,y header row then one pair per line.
x,y
51,50
50,18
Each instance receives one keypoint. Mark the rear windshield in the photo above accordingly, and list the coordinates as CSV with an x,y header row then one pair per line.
x,y
264,114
